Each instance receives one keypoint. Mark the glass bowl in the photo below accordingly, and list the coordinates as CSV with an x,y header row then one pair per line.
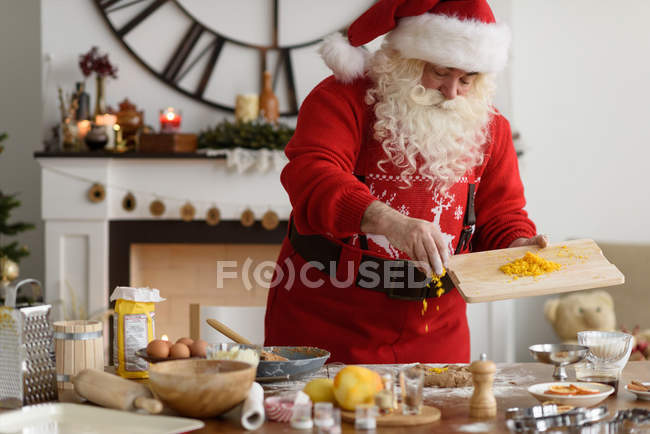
x,y
606,348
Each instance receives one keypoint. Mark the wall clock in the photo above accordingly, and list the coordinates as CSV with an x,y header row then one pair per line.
x,y
211,50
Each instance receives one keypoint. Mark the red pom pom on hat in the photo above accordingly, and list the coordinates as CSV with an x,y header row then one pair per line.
x,y
454,33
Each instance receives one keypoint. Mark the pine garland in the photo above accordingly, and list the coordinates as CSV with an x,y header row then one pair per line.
x,y
12,250
249,135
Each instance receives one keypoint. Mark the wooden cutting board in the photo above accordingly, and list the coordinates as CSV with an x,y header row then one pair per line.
x,y
478,278
427,415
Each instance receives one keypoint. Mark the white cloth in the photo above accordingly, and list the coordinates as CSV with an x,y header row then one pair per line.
x,y
143,295
243,160
250,413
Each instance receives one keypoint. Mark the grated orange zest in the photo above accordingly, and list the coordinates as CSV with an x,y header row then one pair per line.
x,y
530,265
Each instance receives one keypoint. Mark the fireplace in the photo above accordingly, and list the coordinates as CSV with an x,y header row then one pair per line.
x,y
180,259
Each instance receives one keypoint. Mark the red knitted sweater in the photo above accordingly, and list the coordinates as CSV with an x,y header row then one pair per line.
x,y
335,132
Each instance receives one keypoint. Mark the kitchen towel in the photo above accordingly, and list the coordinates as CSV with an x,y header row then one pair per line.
x,y
250,413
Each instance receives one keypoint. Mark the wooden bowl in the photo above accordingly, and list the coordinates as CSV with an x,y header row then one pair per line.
x,y
201,388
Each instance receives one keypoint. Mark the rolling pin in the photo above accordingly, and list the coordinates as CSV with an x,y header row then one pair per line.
x,y
111,391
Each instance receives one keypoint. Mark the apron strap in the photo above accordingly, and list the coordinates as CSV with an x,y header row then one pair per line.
x,y
468,221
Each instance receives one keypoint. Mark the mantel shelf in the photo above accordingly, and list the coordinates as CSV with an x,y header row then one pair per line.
x,y
126,155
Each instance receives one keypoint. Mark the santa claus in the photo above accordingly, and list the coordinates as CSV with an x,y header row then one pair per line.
x,y
398,161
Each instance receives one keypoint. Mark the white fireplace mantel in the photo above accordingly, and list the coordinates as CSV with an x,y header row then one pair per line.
x,y
77,238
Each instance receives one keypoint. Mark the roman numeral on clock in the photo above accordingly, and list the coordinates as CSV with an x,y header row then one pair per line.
x,y
209,67
110,6
284,63
182,52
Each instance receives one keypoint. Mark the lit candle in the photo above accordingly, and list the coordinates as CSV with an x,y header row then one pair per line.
x,y
170,120
164,338
108,120
83,127
118,134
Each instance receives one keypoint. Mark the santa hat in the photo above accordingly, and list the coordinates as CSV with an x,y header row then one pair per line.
x,y
453,33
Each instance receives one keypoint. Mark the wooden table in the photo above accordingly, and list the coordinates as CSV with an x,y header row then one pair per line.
x,y
511,382
454,404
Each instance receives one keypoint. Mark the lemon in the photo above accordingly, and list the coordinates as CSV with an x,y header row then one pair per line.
x,y
320,390
355,385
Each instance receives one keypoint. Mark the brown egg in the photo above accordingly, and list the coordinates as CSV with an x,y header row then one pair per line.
x,y
158,349
169,344
179,351
198,348
186,341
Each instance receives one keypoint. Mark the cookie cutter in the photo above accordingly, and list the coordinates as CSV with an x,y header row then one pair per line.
x,y
543,418
617,425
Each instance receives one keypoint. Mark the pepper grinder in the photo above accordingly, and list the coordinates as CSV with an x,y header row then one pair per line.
x,y
482,404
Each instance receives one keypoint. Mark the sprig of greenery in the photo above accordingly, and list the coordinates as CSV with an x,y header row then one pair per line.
x,y
8,202
249,135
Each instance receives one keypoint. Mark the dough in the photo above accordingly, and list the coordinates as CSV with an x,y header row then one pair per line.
x,y
447,376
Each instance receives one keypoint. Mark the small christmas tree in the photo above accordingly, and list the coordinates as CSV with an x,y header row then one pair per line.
x,y
12,250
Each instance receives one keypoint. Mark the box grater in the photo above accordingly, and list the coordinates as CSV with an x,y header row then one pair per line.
x,y
27,368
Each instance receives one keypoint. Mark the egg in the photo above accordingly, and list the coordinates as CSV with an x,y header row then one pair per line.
x,y
158,349
186,341
179,351
198,348
169,344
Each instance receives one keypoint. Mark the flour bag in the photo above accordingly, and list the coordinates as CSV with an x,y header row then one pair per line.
x,y
133,328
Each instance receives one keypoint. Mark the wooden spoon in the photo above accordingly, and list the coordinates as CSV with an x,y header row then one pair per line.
x,y
227,331
230,333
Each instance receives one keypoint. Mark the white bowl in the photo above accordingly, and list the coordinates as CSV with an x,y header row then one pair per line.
x,y
537,390
644,396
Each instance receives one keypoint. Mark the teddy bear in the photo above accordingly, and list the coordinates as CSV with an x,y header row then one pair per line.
x,y
576,312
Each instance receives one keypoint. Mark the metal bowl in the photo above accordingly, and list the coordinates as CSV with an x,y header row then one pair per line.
x,y
301,361
558,355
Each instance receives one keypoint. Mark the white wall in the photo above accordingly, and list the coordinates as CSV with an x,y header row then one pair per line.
x,y
580,98
20,117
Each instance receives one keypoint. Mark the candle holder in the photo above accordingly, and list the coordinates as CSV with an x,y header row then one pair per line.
x,y
108,121
170,120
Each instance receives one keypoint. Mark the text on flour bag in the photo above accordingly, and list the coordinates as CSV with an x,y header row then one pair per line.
x,y
133,328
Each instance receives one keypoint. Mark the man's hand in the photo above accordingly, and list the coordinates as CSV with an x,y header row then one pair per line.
x,y
540,240
419,239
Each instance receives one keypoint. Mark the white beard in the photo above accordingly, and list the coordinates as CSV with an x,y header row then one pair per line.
x,y
420,131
